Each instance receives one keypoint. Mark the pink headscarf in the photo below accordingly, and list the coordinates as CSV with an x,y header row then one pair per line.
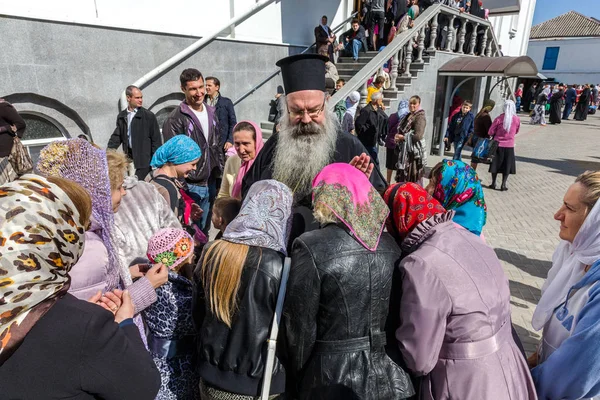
x,y
347,192
236,191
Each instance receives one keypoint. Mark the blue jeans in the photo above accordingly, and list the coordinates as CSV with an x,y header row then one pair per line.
x,y
353,47
518,104
204,196
567,111
458,146
374,154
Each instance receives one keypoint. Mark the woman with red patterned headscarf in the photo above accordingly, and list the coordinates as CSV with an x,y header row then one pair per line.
x,y
454,329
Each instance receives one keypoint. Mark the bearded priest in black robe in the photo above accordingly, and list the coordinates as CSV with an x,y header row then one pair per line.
x,y
309,139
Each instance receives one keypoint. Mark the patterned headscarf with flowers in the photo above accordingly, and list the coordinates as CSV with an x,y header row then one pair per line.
x,y
458,188
170,247
41,238
410,205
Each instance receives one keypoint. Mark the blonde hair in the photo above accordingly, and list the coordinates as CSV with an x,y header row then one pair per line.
x,y
591,181
117,166
78,195
221,275
324,215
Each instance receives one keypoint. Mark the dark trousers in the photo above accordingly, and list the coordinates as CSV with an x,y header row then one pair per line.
x,y
141,173
567,111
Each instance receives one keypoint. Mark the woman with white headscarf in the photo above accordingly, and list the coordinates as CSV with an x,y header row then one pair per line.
x,y
567,361
503,129
350,116
391,154
539,111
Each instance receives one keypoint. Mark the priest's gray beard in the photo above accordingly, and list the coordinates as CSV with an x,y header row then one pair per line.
x,y
302,151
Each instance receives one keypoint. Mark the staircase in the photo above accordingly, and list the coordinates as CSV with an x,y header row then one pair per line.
x,y
347,69
425,30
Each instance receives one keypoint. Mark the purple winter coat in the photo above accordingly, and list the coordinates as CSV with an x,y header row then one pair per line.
x,y
88,275
455,326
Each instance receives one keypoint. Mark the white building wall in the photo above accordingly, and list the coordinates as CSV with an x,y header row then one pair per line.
x,y
281,22
578,59
512,31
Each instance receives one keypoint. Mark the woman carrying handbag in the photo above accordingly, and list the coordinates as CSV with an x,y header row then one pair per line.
x,y
14,159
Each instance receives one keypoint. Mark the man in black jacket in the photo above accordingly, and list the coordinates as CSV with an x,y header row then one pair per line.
x,y
224,110
354,40
199,121
137,130
372,125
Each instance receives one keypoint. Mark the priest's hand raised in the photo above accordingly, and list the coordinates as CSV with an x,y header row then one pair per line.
x,y
363,163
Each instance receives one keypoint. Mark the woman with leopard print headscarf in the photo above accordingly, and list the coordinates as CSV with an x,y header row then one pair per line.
x,y
53,345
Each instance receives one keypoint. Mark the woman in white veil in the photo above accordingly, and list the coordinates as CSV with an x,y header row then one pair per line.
x,y
568,357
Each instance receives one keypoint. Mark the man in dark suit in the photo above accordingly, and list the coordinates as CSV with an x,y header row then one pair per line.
x,y
570,100
137,131
224,110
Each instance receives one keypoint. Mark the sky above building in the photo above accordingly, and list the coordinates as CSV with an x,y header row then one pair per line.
x,y
548,9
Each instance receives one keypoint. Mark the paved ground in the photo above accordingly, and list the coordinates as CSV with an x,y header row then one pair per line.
x,y
520,225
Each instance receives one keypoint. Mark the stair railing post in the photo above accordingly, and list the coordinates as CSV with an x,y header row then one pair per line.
x,y
421,46
488,50
461,37
451,35
394,70
363,93
482,53
408,58
473,39
433,34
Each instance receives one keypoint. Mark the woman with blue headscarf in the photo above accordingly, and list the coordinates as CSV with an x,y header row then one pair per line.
x,y
171,164
391,155
456,185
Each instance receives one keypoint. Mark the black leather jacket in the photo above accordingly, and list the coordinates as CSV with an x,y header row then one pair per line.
x,y
334,319
233,359
182,121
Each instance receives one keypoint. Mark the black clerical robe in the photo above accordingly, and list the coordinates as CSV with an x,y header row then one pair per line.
x,y
346,148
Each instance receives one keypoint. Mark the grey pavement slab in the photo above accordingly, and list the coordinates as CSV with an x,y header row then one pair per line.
x,y
520,225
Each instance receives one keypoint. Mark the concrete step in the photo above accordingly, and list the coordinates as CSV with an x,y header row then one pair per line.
x,y
267,129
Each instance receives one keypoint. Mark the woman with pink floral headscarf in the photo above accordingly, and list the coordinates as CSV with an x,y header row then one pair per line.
x,y
247,141
338,296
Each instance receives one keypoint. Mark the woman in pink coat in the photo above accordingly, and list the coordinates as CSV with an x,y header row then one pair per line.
x,y
455,329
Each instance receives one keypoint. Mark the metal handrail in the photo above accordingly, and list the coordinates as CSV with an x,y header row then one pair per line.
x,y
188,51
394,47
275,73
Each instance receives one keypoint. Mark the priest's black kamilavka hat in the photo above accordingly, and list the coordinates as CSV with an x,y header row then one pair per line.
x,y
303,72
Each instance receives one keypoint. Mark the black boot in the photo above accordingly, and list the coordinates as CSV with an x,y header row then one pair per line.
x,y
504,188
493,185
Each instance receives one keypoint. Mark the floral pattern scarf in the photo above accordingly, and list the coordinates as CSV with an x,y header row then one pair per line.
x,y
410,205
41,238
458,188
265,219
347,192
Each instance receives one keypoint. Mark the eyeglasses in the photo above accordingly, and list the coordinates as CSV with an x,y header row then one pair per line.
x,y
313,114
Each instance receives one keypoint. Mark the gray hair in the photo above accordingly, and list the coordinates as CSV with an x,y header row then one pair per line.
x,y
377,96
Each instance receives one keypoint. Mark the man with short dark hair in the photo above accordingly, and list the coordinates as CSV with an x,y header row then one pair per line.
x,y
198,120
224,110
570,100
137,131
354,40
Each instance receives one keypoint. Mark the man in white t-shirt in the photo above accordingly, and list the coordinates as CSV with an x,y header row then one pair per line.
x,y
198,120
